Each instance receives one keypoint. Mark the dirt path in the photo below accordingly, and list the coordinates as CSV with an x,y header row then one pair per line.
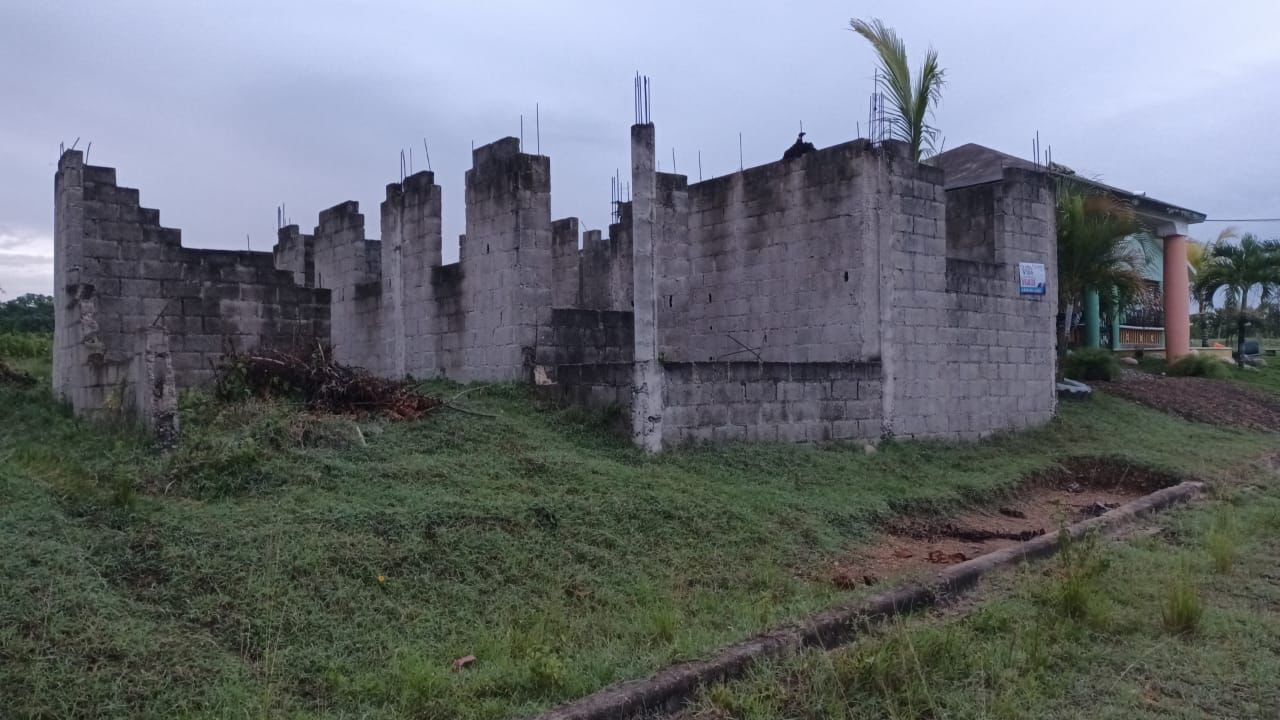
x,y
1077,489
1216,402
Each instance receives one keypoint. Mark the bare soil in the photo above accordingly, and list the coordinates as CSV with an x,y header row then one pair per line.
x,y
1216,402
1076,489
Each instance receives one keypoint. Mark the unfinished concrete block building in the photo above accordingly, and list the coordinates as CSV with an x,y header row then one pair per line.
x,y
840,295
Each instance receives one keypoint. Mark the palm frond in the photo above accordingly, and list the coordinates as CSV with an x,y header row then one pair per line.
x,y
910,103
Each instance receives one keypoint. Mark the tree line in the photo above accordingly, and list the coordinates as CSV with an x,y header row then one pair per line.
x,y
29,313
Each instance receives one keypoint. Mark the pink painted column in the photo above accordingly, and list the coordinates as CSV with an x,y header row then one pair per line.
x,y
1177,298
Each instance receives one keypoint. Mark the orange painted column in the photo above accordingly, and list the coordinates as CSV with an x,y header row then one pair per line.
x,y
1177,298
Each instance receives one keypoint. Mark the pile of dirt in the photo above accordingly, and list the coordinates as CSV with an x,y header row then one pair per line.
x,y
1074,490
16,378
321,383
1216,402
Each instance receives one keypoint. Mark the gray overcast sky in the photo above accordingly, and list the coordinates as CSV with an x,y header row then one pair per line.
x,y
220,111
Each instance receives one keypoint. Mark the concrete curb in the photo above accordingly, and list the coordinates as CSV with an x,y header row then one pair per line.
x,y
672,688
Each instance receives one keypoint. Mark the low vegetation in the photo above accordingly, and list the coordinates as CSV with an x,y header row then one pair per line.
x,y
26,346
1149,631
1199,366
1091,365
284,562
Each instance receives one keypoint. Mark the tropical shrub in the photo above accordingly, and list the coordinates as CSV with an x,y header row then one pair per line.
x,y
1091,364
1206,366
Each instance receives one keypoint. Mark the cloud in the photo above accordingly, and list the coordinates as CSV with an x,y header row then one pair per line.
x,y
22,260
26,261
219,113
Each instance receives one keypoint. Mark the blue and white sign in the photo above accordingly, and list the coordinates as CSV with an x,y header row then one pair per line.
x,y
1030,278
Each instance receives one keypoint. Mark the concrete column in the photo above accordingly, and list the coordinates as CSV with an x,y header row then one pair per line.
x,y
1177,295
646,389
1115,320
1092,334
157,393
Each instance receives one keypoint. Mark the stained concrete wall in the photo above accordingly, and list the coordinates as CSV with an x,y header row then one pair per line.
x,y
397,310
565,260
777,262
605,266
585,358
770,401
412,319
843,294
120,276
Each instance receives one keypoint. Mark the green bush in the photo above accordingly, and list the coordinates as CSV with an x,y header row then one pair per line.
x,y
26,345
1091,364
1199,366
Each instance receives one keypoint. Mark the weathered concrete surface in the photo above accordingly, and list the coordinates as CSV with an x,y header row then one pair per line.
x,y
119,274
852,256
647,234
157,399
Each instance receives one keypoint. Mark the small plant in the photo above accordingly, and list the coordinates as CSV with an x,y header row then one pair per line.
x,y
1199,366
1182,610
1222,544
1080,563
547,672
663,623
1091,364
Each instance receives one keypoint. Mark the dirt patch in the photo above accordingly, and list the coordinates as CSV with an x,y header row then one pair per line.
x,y
1074,490
1216,402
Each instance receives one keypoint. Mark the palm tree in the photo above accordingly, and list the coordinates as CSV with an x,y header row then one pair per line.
x,y
1094,252
1199,257
1240,269
911,102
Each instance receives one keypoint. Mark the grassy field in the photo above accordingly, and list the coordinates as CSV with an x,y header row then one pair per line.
x,y
279,565
1183,624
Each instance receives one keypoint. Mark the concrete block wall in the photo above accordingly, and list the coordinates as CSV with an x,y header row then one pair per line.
x,y
295,252
840,295
120,276
507,268
397,310
565,280
770,401
341,259
583,337
411,249
915,337
586,355
777,259
605,266
449,314
1003,357
967,355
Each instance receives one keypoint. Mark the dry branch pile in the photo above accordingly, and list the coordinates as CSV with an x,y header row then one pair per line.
x,y
321,383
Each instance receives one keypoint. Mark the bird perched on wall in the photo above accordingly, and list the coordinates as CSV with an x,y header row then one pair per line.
x,y
798,148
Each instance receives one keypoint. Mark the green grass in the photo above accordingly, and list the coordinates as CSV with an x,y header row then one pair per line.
x,y
1265,378
1163,637
26,345
281,565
